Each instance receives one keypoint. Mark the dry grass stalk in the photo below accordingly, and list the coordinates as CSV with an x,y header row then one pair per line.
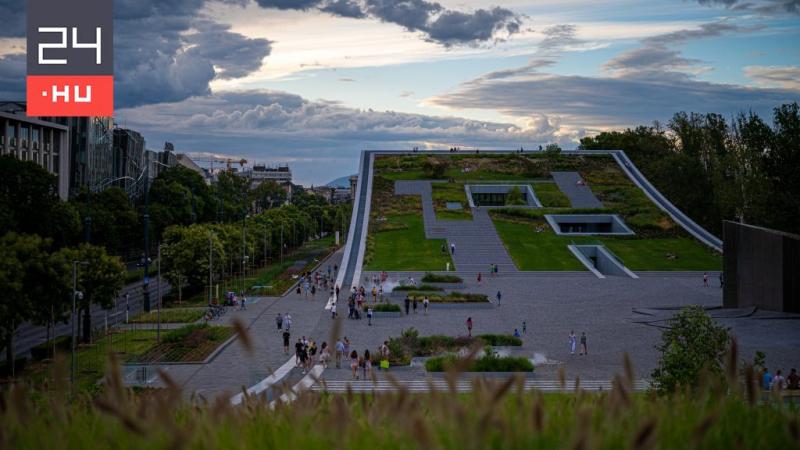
x,y
645,436
243,335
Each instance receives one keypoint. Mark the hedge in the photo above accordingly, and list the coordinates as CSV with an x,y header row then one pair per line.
x,y
435,278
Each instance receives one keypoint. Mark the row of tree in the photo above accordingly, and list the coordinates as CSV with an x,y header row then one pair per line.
x,y
714,169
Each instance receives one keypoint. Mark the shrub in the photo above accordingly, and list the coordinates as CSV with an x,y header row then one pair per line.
x,y
693,342
180,334
386,307
488,363
453,297
422,287
436,278
514,196
500,339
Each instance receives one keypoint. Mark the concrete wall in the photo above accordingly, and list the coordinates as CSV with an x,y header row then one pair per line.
x,y
761,268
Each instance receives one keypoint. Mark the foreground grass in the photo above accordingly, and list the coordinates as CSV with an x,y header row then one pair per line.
x,y
546,250
550,195
494,415
404,247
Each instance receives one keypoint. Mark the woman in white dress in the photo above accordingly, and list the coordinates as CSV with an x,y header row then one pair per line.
x,y
573,342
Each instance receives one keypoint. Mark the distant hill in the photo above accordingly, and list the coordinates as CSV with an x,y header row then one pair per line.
x,y
340,182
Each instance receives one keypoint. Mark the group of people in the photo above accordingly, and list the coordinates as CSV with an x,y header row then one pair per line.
x,y
361,365
573,342
778,382
305,353
413,302
310,283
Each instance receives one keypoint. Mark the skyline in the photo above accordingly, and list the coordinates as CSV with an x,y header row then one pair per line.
x,y
312,83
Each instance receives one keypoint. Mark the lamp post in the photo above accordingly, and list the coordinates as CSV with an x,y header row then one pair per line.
x,y
76,295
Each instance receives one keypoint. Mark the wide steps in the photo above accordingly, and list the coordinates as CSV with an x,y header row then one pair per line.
x,y
422,386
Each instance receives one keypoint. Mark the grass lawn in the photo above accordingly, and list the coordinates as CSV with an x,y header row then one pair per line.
x,y
405,247
550,195
171,315
547,251
450,192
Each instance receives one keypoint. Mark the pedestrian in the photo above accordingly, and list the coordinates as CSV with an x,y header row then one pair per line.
x,y
374,294
367,365
339,353
242,305
499,296
407,303
298,347
496,269
721,281
573,342
354,364
384,351
524,327
425,303
584,348
279,321
369,316
469,326
778,382
303,356
452,248
380,294
333,309
337,292
324,355
766,380
286,337
516,333
793,380
479,278
491,270
414,304
443,249
312,354
287,320
346,345
705,279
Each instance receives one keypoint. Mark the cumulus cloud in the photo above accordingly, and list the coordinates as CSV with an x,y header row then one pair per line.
x,y
12,77
787,77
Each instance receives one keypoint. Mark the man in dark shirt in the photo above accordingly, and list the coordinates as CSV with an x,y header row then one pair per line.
x,y
298,348
793,380
286,337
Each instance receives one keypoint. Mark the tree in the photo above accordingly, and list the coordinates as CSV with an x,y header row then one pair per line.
x,y
29,203
552,150
185,255
100,280
232,192
115,223
267,195
23,260
53,302
514,196
434,168
692,342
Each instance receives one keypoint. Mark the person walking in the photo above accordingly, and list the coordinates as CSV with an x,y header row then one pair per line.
x,y
584,348
384,352
333,309
286,336
407,302
443,249
766,380
452,248
354,364
374,294
367,365
425,303
298,347
778,382
287,320
573,342
414,304
499,296
279,321
303,357
369,315
479,278
793,380
339,353
524,327
337,292
705,279
469,326
516,333
243,305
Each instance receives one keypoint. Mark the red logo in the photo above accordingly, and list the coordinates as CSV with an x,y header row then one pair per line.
x,y
70,95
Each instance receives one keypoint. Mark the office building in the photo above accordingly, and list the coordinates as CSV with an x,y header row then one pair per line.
x,y
128,160
34,139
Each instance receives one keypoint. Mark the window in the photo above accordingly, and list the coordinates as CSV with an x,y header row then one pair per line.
x,y
12,130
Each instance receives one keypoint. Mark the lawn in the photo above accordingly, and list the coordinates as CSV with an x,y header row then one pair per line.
x,y
548,251
450,192
404,247
550,195
171,315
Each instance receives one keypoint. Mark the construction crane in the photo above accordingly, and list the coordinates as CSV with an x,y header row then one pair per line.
x,y
226,161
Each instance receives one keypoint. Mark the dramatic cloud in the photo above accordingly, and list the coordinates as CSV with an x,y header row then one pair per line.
x,y
648,83
162,52
12,77
656,56
12,20
787,77
439,24
758,6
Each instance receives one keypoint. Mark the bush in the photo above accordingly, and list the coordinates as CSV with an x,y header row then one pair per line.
x,y
500,339
514,197
453,297
179,334
422,287
435,278
386,307
693,342
488,363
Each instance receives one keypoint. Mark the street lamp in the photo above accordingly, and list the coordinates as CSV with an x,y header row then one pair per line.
x,y
76,295
158,307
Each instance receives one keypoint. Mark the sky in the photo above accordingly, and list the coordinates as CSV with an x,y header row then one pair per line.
x,y
311,83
